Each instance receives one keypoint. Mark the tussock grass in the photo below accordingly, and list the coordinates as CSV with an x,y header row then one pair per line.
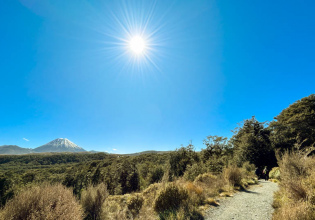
x,y
92,200
233,175
296,198
51,202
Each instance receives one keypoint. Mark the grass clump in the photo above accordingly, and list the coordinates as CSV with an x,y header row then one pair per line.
x,y
233,175
49,202
172,202
296,198
134,204
206,178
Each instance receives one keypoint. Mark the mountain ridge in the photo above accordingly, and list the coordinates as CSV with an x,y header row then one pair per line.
x,y
14,150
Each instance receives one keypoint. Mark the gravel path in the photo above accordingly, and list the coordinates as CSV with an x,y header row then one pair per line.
x,y
252,204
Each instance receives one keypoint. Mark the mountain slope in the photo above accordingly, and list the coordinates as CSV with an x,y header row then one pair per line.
x,y
13,149
59,145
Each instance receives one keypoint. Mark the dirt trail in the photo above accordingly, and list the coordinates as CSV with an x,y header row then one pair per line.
x,y
252,204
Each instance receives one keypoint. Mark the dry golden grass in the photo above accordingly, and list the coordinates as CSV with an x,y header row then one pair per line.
x,y
296,198
49,202
296,211
212,201
226,194
92,200
212,185
233,175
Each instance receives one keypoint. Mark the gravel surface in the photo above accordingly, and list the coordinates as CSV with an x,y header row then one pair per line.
x,y
255,203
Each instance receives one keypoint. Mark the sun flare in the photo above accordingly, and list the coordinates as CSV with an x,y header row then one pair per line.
x,y
137,45
135,38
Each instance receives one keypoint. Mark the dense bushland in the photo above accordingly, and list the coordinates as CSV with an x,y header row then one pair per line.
x,y
142,187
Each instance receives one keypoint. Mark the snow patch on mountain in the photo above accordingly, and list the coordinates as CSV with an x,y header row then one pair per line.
x,y
59,145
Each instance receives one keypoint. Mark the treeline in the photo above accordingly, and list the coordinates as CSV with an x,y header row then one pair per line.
x,y
50,158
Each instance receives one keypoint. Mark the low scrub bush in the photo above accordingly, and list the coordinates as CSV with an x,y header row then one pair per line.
x,y
248,167
274,173
49,202
170,198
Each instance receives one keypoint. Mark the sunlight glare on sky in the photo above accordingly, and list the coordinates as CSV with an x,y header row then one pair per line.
x,y
78,69
136,33
137,44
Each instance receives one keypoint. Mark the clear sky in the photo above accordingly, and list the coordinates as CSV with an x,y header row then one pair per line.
x,y
67,70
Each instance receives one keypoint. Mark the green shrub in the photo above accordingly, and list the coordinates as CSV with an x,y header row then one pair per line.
x,y
92,200
274,173
192,171
49,202
170,198
248,167
156,175
181,158
216,164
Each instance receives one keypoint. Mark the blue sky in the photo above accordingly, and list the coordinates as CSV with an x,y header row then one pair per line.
x,y
209,65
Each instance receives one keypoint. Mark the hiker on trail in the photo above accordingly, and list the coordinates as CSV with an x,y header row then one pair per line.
x,y
258,172
265,173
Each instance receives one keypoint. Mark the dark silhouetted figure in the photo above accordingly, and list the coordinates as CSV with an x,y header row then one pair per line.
x,y
258,173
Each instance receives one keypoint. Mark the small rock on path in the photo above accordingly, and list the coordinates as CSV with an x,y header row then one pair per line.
x,y
253,204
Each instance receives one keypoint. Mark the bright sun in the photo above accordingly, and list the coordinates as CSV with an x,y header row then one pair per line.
x,y
137,45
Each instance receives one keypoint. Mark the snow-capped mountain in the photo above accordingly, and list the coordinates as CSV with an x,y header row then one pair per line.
x,y
59,145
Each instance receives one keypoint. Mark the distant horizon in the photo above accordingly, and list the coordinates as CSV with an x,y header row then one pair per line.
x,y
114,151
130,76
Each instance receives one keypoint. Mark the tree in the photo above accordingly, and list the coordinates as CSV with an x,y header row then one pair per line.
x,y
181,158
295,124
252,143
215,146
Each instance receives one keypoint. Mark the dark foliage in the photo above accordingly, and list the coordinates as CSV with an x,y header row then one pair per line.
x,y
252,143
181,158
295,124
